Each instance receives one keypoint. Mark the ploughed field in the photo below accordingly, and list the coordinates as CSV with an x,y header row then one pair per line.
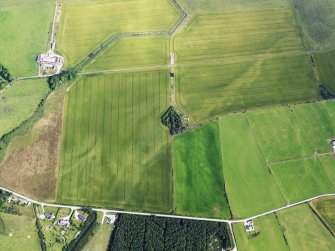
x,y
115,152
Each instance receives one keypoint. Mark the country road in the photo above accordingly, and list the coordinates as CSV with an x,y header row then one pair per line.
x,y
74,207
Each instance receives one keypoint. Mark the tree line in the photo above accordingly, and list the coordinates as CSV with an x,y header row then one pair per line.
x,y
135,232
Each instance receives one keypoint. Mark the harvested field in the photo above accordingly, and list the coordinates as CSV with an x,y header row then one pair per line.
x,y
199,187
24,34
244,163
131,53
268,236
31,163
114,151
325,208
239,34
19,101
304,231
85,26
205,92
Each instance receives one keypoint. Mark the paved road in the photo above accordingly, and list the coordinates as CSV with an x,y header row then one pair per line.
x,y
73,207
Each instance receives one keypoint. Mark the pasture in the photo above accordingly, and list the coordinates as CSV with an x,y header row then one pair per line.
x,y
325,62
239,34
24,34
301,179
85,26
18,233
115,153
270,235
250,187
132,53
19,101
199,187
327,162
205,92
325,208
304,231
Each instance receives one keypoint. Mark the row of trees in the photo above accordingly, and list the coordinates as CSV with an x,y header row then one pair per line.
x,y
61,78
133,232
172,119
5,77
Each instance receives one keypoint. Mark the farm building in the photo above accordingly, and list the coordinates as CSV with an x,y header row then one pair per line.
x,y
50,61
249,226
333,145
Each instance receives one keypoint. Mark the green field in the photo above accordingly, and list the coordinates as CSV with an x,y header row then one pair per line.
x,y
114,151
280,134
239,34
86,26
18,233
325,208
270,236
325,62
19,101
199,187
99,241
327,162
24,34
132,53
251,188
304,231
302,179
205,92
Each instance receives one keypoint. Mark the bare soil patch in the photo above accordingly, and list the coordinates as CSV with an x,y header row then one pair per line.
x,y
31,163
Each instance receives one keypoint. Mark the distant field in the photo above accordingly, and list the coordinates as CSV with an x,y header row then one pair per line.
x,y
304,231
318,22
19,101
302,179
24,34
251,188
270,236
239,34
114,151
212,6
205,92
325,208
20,233
132,53
85,26
325,62
198,175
